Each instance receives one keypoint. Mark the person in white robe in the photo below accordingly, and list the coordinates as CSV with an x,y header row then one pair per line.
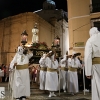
x,y
64,71
43,69
51,76
73,65
21,78
92,61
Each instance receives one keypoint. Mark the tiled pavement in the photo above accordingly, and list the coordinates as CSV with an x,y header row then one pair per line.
x,y
36,94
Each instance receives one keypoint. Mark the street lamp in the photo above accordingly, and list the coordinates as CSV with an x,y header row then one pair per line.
x,y
24,37
57,41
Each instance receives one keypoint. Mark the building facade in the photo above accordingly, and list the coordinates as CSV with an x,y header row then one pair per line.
x,y
82,15
59,19
50,22
11,29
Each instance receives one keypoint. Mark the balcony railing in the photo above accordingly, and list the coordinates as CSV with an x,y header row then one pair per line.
x,y
94,8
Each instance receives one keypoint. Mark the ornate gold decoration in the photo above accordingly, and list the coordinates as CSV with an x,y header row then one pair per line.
x,y
40,45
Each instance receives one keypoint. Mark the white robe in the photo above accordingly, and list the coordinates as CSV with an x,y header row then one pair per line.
x,y
21,79
42,78
63,63
72,76
92,49
51,77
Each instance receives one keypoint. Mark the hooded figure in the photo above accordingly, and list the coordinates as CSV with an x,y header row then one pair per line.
x,y
43,69
92,61
64,70
73,65
21,80
93,31
51,83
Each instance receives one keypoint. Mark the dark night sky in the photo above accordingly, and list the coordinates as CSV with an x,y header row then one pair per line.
x,y
13,7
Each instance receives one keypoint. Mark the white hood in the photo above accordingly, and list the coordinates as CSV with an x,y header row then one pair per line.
x,y
20,50
94,36
93,31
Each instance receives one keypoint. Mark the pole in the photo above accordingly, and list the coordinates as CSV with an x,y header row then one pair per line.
x,y
84,80
59,81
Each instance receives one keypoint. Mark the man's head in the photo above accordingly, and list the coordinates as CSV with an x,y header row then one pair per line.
x,y
93,30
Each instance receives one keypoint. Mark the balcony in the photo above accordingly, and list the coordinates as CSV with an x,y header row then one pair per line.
x,y
94,8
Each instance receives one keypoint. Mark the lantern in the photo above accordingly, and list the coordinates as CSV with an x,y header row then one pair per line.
x,y
24,37
57,41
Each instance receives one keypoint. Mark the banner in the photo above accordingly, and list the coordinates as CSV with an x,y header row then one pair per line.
x,y
79,44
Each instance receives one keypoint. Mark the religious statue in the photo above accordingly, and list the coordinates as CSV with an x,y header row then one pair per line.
x,y
35,38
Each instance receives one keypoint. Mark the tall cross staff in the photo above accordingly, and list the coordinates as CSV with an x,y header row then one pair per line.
x,y
83,78
59,81
59,76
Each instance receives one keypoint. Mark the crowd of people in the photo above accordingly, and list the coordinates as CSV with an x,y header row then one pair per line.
x,y
5,73
70,73
48,75
71,68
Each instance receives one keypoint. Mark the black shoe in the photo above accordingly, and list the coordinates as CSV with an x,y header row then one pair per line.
x,y
17,98
22,97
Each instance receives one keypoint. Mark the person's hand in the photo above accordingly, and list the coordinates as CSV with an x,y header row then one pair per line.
x,y
82,65
15,64
10,70
59,66
47,55
89,77
29,51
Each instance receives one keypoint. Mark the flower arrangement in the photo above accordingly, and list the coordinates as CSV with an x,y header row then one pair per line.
x,y
40,45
